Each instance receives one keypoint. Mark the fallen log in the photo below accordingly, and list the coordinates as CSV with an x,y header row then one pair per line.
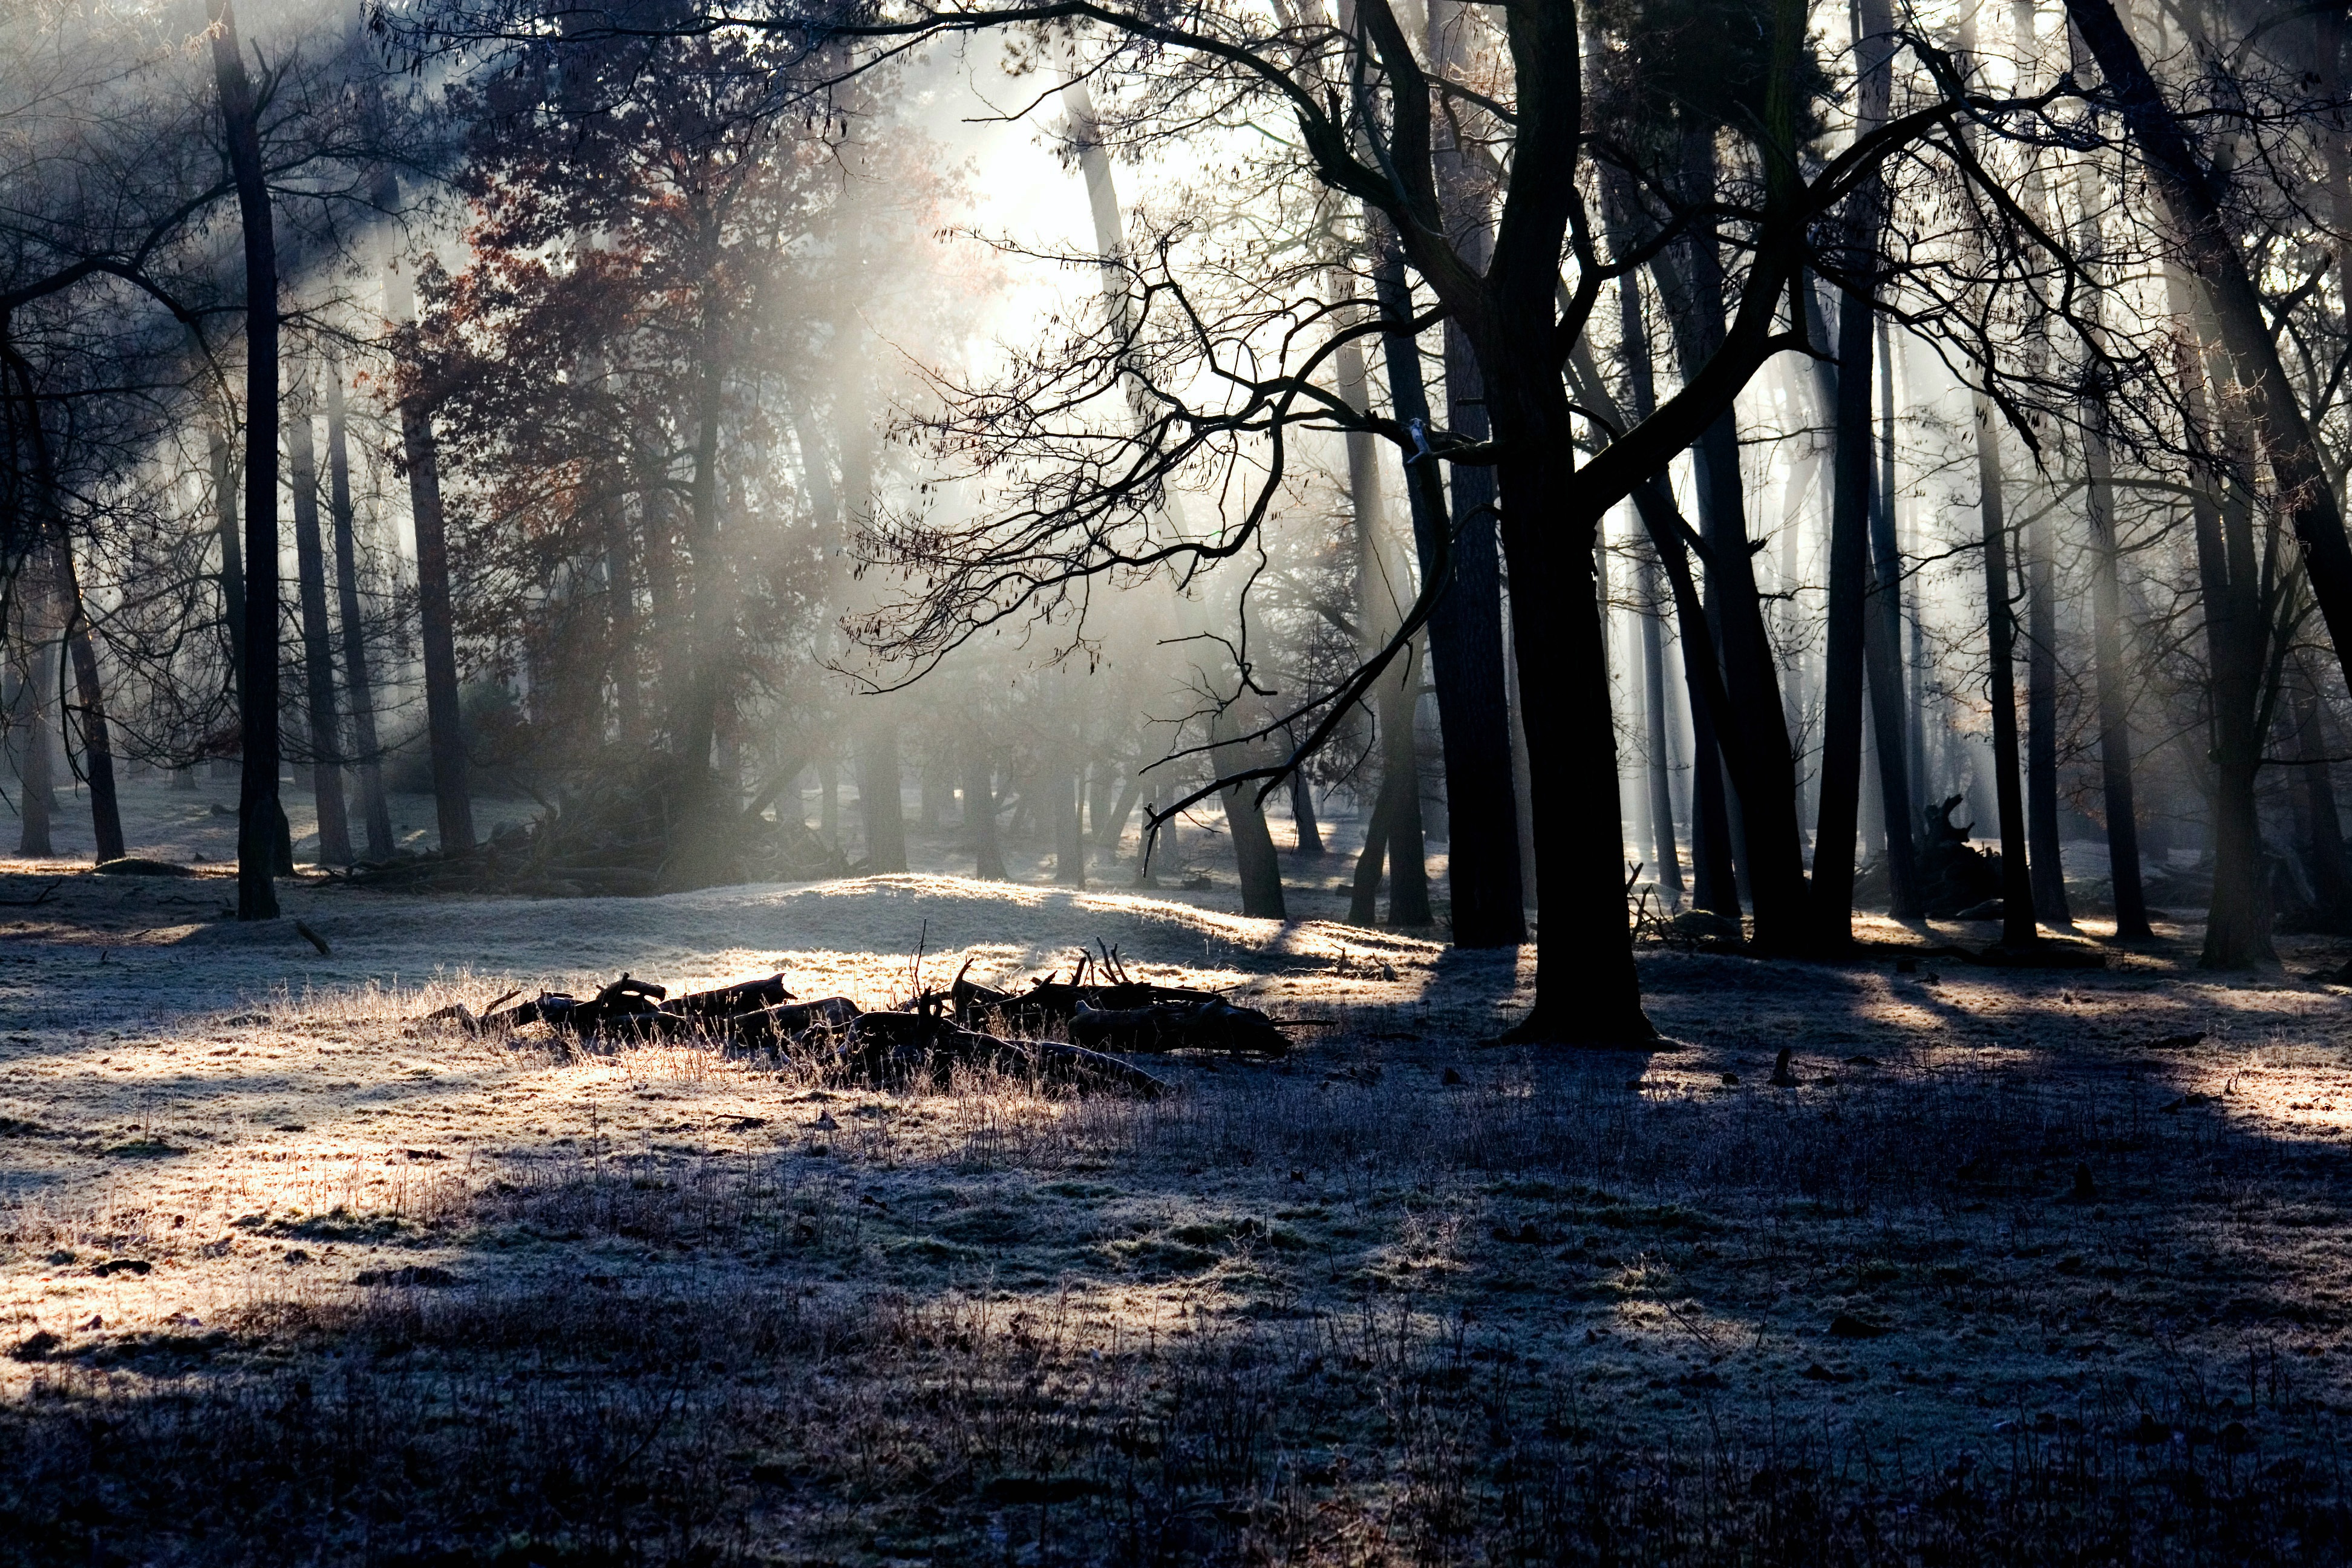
x,y
925,1041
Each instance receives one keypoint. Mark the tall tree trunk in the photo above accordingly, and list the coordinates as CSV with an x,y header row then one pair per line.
x,y
2237,923
695,701
2017,926
1883,653
318,657
1254,855
2111,677
97,743
1715,883
1465,636
1665,854
259,812
232,568
1400,760
1110,826
979,812
1765,821
1851,507
359,689
1302,813
436,626
29,711
1571,734
878,802
2331,882
1383,586
621,617
2043,844
1067,788
2194,197
1364,891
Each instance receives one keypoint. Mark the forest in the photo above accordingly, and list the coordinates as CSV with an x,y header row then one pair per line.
x,y
1384,780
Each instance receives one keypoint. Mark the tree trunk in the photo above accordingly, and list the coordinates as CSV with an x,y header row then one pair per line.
x,y
1883,653
2111,677
2017,926
29,711
1383,587
97,743
1664,853
318,657
1834,830
359,690
258,807
2330,881
436,627
232,570
1364,892
1109,827
1400,760
1766,819
878,802
1067,786
1488,894
1302,812
1852,510
1593,996
621,617
694,702
1715,882
2237,922
980,814
1254,854
2195,198
2041,727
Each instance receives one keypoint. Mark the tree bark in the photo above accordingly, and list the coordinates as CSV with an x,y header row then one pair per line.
x,y
436,628
97,743
2193,196
232,570
1466,639
2238,921
2111,678
1766,821
980,813
1715,882
1883,653
2330,881
359,689
259,812
1068,788
1302,813
318,657
1253,853
1665,854
1400,760
29,711
2017,926
879,803
1383,586
1364,893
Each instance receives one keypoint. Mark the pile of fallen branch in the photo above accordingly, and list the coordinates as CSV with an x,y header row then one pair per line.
x,y
652,829
1100,1009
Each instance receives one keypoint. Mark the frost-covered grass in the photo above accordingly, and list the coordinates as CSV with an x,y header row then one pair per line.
x,y
290,1276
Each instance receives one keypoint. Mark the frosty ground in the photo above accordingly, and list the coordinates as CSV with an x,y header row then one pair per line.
x,y
2025,1257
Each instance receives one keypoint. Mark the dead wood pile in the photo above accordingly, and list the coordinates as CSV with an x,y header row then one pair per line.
x,y
1101,1009
651,830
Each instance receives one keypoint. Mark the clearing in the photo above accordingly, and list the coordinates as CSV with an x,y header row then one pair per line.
x,y
2023,1256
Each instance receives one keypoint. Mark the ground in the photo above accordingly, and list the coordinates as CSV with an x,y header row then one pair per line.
x,y
2028,1265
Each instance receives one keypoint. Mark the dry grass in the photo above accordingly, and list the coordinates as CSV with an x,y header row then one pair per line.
x,y
411,1296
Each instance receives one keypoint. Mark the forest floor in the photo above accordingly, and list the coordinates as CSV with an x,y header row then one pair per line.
x,y
2046,1266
